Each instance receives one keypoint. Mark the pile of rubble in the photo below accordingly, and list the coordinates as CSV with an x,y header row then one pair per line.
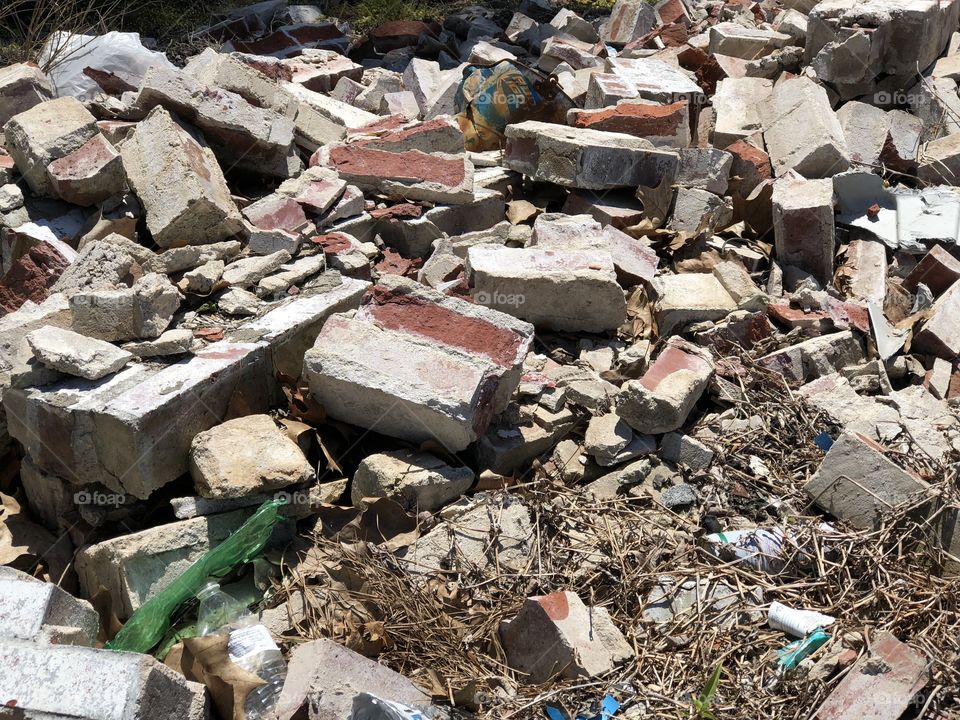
x,y
558,425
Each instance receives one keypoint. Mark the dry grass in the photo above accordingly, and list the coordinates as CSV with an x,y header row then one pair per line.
x,y
442,632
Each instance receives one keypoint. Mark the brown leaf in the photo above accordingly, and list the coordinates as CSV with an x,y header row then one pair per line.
x,y
212,334
205,660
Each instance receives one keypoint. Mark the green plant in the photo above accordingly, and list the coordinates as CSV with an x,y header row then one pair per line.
x,y
701,705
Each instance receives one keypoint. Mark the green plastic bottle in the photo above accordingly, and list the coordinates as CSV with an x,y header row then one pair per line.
x,y
146,627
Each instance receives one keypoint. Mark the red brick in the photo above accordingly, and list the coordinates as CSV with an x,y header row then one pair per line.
x,y
30,277
638,119
751,165
276,212
670,361
938,270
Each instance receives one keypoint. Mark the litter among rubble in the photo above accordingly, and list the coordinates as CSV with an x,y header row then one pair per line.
x,y
548,360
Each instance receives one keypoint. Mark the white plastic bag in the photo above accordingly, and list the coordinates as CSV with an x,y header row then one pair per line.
x,y
370,707
798,623
116,52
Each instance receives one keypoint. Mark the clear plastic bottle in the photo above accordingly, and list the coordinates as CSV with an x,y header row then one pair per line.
x,y
250,646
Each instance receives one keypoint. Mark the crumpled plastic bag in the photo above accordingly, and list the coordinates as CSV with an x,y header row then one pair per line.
x,y
490,98
66,55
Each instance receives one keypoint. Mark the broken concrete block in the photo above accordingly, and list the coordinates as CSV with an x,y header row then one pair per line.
x,y
88,175
661,400
866,271
557,634
179,259
74,354
585,158
705,168
403,103
135,567
320,70
658,81
393,382
816,357
738,105
865,129
739,41
32,276
666,126
606,436
241,134
562,289
940,334
313,681
858,484
141,311
685,450
41,612
245,456
180,184
572,53
629,20
414,175
804,233
249,271
44,133
420,480
59,681
489,532
22,86
131,431
938,270
171,342
698,212
687,298
735,279
607,89
802,132
855,50
940,161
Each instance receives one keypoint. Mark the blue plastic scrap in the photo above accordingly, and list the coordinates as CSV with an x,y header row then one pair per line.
x,y
823,441
794,653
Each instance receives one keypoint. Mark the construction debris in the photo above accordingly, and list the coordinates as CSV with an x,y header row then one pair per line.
x,y
588,359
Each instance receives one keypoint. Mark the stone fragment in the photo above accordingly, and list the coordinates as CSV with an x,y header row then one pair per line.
x,y
41,612
573,53
179,259
557,634
326,677
658,81
685,450
75,354
606,436
735,279
241,134
569,23
22,86
88,175
865,129
585,158
738,104
419,480
141,311
32,277
239,303
866,268
735,40
661,400
858,484
44,133
60,681
562,289
802,132
171,342
940,161
291,274
320,70
203,279
403,103
468,534
687,298
629,20
698,212
249,271
607,89
705,168
803,225
245,456
815,357
180,184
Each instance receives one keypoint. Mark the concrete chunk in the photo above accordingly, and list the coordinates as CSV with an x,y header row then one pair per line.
x,y
22,86
41,612
180,184
557,634
585,158
858,484
687,298
661,400
419,480
57,681
802,132
75,354
803,225
88,175
44,133
245,456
